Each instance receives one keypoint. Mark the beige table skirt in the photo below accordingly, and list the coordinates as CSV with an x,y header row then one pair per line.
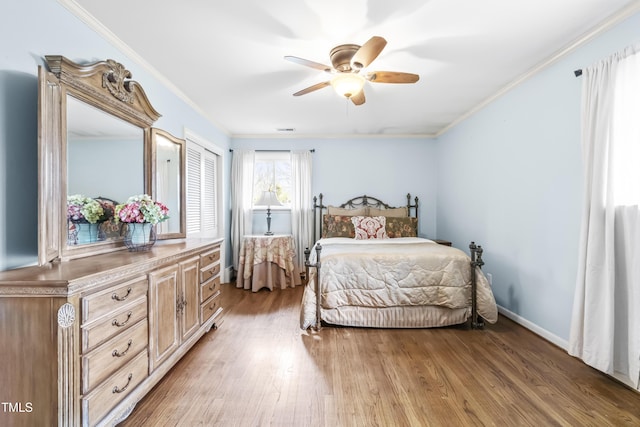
x,y
268,275
267,262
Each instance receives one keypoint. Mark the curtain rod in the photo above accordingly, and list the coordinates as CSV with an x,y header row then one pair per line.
x,y
578,72
313,150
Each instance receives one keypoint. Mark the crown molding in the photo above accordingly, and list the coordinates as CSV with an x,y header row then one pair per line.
x,y
596,31
335,136
82,14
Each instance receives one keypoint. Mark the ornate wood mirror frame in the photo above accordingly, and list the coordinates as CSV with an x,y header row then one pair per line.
x,y
168,159
104,86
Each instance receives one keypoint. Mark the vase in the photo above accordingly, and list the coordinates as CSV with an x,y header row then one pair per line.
x,y
140,236
85,232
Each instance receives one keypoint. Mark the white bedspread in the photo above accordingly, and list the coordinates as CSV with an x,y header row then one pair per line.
x,y
400,272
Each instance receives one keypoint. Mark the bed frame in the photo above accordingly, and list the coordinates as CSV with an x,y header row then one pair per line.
x,y
366,201
357,202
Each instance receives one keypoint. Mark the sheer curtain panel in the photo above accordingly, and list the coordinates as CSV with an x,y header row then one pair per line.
x,y
605,327
301,206
241,199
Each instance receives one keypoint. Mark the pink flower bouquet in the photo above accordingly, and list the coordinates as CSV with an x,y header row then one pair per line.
x,y
141,209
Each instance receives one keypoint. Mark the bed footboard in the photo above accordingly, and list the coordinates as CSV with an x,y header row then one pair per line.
x,y
316,265
476,261
477,322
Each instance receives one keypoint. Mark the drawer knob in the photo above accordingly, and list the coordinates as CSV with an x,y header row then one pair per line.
x,y
118,324
116,389
116,353
119,298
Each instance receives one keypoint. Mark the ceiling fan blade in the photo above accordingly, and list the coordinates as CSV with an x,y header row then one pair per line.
x,y
312,88
392,77
307,63
358,99
368,52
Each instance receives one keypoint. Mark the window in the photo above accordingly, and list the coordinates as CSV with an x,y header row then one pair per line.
x,y
203,191
272,172
625,134
607,291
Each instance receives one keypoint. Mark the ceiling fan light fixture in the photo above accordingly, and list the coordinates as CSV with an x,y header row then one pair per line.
x,y
348,61
347,84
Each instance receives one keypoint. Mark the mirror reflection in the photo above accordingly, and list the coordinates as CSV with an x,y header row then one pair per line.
x,y
105,166
168,185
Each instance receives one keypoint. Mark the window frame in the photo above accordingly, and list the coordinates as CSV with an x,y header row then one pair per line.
x,y
265,156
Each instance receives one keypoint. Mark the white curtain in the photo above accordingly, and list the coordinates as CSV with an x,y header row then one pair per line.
x,y
605,327
301,206
241,199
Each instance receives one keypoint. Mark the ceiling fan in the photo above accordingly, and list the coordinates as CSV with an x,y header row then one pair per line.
x,y
348,61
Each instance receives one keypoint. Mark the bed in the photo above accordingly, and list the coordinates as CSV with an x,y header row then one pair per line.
x,y
369,268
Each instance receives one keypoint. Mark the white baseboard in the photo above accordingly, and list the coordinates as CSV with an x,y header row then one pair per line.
x,y
228,275
554,339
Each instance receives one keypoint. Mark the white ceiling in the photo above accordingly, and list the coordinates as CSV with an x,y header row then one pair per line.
x,y
227,58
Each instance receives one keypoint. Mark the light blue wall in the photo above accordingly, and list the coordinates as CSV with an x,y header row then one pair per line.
x,y
510,177
30,29
344,168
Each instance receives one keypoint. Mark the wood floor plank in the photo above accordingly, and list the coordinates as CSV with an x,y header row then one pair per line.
x,y
260,369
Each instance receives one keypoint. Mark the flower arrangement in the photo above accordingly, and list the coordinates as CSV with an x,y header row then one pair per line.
x,y
84,209
141,209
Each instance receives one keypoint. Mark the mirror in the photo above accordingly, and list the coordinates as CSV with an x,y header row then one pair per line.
x,y
168,184
94,130
105,162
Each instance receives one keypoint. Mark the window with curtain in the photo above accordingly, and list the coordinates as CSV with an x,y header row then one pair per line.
x,y
605,326
286,173
272,172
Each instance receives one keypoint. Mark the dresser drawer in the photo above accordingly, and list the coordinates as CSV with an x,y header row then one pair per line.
x,y
112,355
107,395
97,305
114,323
209,288
208,272
210,257
210,309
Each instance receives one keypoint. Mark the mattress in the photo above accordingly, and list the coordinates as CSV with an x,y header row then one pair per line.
x,y
401,282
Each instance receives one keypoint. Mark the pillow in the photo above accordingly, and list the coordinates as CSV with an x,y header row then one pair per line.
x,y
393,212
402,227
369,227
333,210
337,226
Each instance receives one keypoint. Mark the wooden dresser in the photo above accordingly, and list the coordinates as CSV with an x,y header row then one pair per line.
x,y
83,341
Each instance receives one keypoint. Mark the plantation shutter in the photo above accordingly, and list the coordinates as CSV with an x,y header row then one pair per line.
x,y
202,191
209,203
194,188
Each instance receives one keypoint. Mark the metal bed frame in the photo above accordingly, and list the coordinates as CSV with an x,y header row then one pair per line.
x,y
367,201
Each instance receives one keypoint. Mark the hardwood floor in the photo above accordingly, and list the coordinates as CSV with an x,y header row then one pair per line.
x,y
261,369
